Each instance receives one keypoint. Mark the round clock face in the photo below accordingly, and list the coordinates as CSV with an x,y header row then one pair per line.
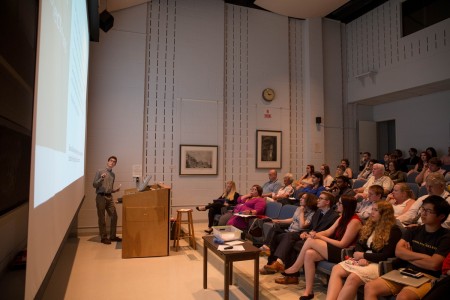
x,y
268,94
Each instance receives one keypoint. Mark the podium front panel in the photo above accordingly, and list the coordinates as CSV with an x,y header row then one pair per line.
x,y
145,223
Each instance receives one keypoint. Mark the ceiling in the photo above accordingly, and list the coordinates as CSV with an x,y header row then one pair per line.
x,y
341,10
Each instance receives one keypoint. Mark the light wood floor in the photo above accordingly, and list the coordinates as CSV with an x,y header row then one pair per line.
x,y
88,269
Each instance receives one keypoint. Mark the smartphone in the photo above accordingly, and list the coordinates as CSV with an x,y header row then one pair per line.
x,y
411,273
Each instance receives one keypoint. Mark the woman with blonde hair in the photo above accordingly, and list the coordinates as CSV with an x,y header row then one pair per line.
x,y
377,240
401,198
227,199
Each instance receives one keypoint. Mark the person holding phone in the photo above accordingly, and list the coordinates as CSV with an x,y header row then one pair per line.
x,y
104,188
422,248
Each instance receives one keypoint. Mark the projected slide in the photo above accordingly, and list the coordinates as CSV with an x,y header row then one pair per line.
x,y
61,98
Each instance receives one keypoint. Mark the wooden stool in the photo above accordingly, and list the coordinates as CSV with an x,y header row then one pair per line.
x,y
179,221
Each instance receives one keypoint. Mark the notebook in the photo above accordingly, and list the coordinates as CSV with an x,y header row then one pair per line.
x,y
396,276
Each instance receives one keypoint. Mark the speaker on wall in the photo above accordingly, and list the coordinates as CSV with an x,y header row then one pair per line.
x,y
106,21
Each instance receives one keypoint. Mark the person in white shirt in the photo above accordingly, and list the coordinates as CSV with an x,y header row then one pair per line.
x,y
379,178
435,184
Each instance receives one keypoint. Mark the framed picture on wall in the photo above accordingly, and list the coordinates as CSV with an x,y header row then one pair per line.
x,y
198,160
268,149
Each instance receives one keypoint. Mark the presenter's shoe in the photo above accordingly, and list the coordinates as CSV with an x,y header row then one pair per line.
x,y
106,241
274,267
116,239
287,280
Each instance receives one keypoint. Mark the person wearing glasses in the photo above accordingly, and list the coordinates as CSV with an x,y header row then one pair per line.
x,y
327,244
290,243
377,240
422,248
435,184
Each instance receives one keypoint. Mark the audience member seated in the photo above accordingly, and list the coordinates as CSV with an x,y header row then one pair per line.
x,y
342,187
364,208
422,248
287,250
394,173
401,198
250,204
306,179
301,220
327,178
377,240
364,161
431,151
348,171
433,166
378,178
326,245
413,159
445,159
227,199
367,171
423,160
401,165
271,186
385,161
285,191
435,184
317,185
340,169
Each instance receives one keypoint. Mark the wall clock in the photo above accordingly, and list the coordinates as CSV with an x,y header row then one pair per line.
x,y
268,94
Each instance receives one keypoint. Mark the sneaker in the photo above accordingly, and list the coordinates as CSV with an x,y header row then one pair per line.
x,y
115,239
106,241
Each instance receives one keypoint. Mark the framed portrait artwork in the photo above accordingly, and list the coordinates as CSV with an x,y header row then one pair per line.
x,y
198,160
268,149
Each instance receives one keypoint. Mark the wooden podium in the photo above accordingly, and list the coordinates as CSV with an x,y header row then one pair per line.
x,y
145,221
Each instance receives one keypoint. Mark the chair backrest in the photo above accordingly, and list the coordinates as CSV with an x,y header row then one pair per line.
x,y
273,209
414,188
411,177
287,211
423,191
358,183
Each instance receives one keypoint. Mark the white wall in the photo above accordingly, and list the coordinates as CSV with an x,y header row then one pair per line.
x,y
374,42
115,105
182,63
420,122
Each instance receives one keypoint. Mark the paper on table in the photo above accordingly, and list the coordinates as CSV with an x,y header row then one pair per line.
x,y
235,248
234,243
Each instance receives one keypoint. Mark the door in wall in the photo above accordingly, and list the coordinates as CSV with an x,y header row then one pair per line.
x,y
386,137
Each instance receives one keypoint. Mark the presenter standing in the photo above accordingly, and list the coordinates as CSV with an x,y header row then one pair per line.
x,y
104,187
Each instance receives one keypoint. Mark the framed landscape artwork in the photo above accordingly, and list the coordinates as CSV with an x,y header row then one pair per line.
x,y
268,149
198,160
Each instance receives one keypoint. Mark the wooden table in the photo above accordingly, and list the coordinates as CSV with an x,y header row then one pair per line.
x,y
250,252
